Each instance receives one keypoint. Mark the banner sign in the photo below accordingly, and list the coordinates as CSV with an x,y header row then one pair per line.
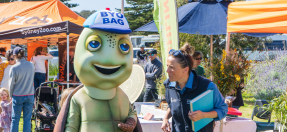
x,y
165,18
35,31
63,56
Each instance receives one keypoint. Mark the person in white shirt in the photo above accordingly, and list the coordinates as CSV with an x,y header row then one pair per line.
x,y
40,69
11,62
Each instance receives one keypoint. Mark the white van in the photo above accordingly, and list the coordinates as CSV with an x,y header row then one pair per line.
x,y
148,41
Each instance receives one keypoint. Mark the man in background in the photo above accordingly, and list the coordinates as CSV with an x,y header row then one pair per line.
x,y
141,55
153,71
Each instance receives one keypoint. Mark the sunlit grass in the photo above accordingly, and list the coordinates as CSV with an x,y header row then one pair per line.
x,y
247,109
53,70
21,123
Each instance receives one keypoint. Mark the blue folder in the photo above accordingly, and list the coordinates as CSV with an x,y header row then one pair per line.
x,y
204,103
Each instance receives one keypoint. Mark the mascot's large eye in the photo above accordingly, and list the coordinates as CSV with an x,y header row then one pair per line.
x,y
93,43
124,46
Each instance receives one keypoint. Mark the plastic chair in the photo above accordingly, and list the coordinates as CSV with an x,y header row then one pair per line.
x,y
262,114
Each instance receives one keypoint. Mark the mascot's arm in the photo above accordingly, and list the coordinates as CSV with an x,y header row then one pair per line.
x,y
74,117
132,113
131,121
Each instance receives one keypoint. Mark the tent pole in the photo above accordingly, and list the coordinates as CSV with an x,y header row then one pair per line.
x,y
211,53
122,7
227,43
68,59
48,66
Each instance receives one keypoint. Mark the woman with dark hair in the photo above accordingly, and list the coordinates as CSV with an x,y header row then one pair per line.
x,y
11,62
40,69
21,90
197,56
182,86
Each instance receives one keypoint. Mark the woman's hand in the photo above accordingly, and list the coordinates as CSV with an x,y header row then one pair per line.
x,y
196,115
165,125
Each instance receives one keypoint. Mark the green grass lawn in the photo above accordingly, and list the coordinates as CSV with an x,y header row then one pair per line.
x,y
21,123
247,109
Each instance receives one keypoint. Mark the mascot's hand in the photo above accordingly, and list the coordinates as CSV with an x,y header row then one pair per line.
x,y
129,126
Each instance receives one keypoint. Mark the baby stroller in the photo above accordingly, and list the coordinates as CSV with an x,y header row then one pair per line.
x,y
46,107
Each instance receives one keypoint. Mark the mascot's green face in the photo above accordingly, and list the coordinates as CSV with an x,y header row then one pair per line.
x,y
102,59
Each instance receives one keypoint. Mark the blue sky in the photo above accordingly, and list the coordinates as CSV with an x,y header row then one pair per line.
x,y
96,4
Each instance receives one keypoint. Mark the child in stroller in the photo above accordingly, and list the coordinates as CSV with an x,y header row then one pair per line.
x,y
46,107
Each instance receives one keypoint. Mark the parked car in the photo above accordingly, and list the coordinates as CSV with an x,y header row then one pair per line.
x,y
55,60
135,53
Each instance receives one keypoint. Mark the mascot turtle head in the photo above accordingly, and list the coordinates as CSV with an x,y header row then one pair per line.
x,y
104,52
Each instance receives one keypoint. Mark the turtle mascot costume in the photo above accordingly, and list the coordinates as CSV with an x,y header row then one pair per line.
x,y
103,61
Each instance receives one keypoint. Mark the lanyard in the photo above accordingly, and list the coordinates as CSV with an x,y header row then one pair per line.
x,y
179,97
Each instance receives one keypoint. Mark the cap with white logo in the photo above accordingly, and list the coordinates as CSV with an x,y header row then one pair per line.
x,y
108,21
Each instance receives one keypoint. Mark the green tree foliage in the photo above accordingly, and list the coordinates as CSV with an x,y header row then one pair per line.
x,y
138,13
181,2
85,13
238,41
199,42
70,5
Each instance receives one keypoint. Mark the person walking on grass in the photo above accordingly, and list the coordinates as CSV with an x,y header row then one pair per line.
x,y
21,79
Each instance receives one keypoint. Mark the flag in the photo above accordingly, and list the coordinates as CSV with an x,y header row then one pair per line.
x,y
166,20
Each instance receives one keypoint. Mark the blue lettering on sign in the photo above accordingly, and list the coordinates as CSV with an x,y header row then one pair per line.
x,y
106,20
104,14
112,13
120,21
114,21
119,15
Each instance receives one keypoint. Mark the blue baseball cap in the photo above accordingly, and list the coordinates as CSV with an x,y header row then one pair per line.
x,y
17,50
108,21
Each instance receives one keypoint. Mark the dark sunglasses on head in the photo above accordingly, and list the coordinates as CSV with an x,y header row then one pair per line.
x,y
176,53
198,58
151,54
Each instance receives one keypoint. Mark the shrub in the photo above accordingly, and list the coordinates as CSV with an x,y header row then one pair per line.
x,y
227,70
267,79
278,106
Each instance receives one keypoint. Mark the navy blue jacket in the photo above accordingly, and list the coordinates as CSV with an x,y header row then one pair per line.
x,y
178,101
153,71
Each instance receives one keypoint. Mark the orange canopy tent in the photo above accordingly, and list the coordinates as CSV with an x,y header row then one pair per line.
x,y
31,20
37,18
262,16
